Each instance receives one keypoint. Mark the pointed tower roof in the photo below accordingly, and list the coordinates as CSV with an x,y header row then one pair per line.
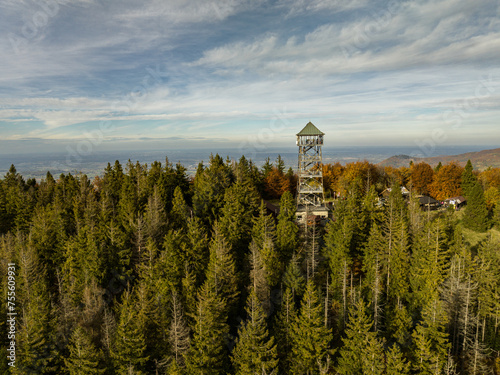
x,y
310,129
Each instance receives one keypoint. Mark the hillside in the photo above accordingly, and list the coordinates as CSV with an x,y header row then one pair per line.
x,y
481,160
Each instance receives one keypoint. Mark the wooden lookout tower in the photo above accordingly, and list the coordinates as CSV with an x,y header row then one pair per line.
x,y
310,194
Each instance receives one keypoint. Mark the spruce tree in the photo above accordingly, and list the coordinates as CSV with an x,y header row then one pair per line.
x,y
362,350
180,210
468,179
195,249
36,342
286,230
235,222
263,227
208,354
496,215
259,278
84,358
174,369
397,243
209,187
310,336
399,324
4,219
428,263
267,167
476,213
338,239
372,267
431,340
396,363
178,333
293,279
155,217
284,320
129,349
221,271
255,350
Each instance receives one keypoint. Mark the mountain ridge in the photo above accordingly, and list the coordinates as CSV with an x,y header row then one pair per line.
x,y
481,160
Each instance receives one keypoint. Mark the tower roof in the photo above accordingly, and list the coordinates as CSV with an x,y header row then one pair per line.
x,y
310,129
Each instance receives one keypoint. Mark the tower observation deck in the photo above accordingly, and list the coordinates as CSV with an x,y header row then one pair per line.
x,y
310,194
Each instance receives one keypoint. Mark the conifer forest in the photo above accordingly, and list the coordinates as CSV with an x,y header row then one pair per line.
x,y
147,270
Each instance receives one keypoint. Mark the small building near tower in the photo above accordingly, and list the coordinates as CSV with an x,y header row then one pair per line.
x,y
310,194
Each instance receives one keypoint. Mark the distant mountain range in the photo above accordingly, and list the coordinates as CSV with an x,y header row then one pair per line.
x,y
480,160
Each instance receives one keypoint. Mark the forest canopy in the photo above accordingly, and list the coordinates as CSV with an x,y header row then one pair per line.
x,y
146,270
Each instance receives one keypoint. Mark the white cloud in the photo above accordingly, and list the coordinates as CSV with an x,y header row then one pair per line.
x,y
298,7
414,34
357,70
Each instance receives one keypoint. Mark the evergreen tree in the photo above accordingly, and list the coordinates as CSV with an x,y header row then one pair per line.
x,y
468,179
47,237
180,210
36,342
399,324
263,227
189,290
496,215
362,350
255,351
179,332
431,340
476,213
174,369
221,271
396,255
428,263
235,222
372,267
83,262
488,279
84,358
396,363
171,261
208,354
263,238
286,230
338,240
195,249
4,219
155,217
293,278
310,336
267,167
284,320
259,278
129,351
209,188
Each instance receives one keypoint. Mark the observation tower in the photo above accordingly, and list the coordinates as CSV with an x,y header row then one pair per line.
x,y
310,193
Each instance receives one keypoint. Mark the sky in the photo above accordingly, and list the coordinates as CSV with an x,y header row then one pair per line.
x,y
86,75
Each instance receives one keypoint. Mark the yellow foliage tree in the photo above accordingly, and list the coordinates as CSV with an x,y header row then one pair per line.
x,y
447,182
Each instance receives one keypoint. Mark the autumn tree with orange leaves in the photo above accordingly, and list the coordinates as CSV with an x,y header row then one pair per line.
x,y
422,176
331,177
364,171
276,183
490,178
399,176
447,182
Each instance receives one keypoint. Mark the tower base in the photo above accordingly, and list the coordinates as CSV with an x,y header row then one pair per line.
x,y
311,213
